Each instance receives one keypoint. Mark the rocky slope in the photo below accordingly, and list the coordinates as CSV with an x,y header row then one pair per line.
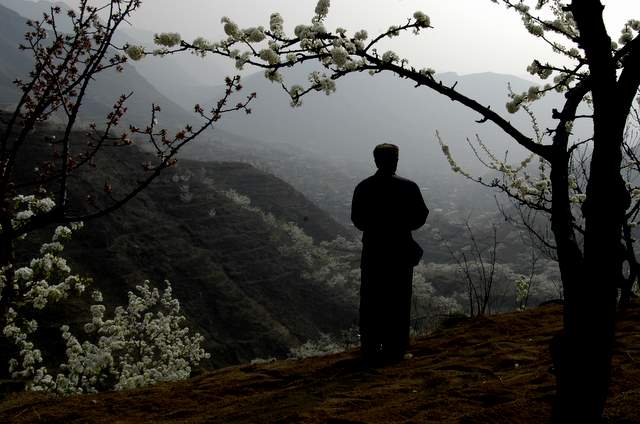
x,y
488,370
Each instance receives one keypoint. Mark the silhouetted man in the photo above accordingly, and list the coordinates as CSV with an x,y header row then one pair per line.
x,y
387,208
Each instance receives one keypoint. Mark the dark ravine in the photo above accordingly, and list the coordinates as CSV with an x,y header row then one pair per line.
x,y
245,297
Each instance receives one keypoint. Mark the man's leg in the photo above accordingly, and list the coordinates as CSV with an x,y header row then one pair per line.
x,y
397,328
370,325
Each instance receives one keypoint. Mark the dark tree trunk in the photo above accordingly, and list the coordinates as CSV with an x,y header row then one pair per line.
x,y
585,347
591,290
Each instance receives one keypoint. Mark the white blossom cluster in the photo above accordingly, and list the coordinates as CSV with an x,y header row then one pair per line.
x,y
322,264
273,49
167,39
47,279
135,52
627,32
145,342
452,163
324,345
523,287
28,206
518,180
562,24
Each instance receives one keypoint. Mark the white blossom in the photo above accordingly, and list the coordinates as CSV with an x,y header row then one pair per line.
x,y
273,76
230,27
276,24
62,233
322,82
390,57
96,296
167,39
202,43
626,36
135,52
361,35
303,31
145,341
24,215
45,204
322,8
421,19
254,35
340,56
269,56
23,274
427,71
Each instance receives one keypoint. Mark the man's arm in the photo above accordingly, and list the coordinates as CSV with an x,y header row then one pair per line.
x,y
359,209
418,210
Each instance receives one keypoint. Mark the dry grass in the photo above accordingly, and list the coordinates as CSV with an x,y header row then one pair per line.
x,y
489,370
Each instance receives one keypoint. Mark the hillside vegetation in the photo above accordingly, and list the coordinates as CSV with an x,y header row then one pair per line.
x,y
237,286
492,369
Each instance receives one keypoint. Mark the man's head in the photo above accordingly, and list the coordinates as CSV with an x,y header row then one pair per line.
x,y
386,157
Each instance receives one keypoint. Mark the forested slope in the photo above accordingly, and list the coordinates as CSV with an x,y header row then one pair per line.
x,y
237,285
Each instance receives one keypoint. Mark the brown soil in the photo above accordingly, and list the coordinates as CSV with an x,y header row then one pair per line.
x,y
488,370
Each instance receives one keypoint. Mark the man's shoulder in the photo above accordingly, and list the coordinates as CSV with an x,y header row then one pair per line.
x,y
367,181
404,181
375,180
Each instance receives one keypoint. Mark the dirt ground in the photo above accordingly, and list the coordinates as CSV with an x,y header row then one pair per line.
x,y
488,370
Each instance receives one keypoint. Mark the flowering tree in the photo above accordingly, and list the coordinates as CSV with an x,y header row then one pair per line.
x,y
144,343
603,73
65,64
529,188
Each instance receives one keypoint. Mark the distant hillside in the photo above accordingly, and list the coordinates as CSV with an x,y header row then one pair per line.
x,y
108,86
366,110
323,148
32,9
319,179
173,76
495,369
226,265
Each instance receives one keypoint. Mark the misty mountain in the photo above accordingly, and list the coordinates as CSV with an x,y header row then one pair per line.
x,y
33,9
324,147
13,63
287,161
102,94
368,110
176,77
363,112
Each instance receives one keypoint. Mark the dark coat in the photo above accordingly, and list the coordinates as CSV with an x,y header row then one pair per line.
x,y
387,208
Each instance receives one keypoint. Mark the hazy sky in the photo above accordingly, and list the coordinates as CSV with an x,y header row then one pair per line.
x,y
469,35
